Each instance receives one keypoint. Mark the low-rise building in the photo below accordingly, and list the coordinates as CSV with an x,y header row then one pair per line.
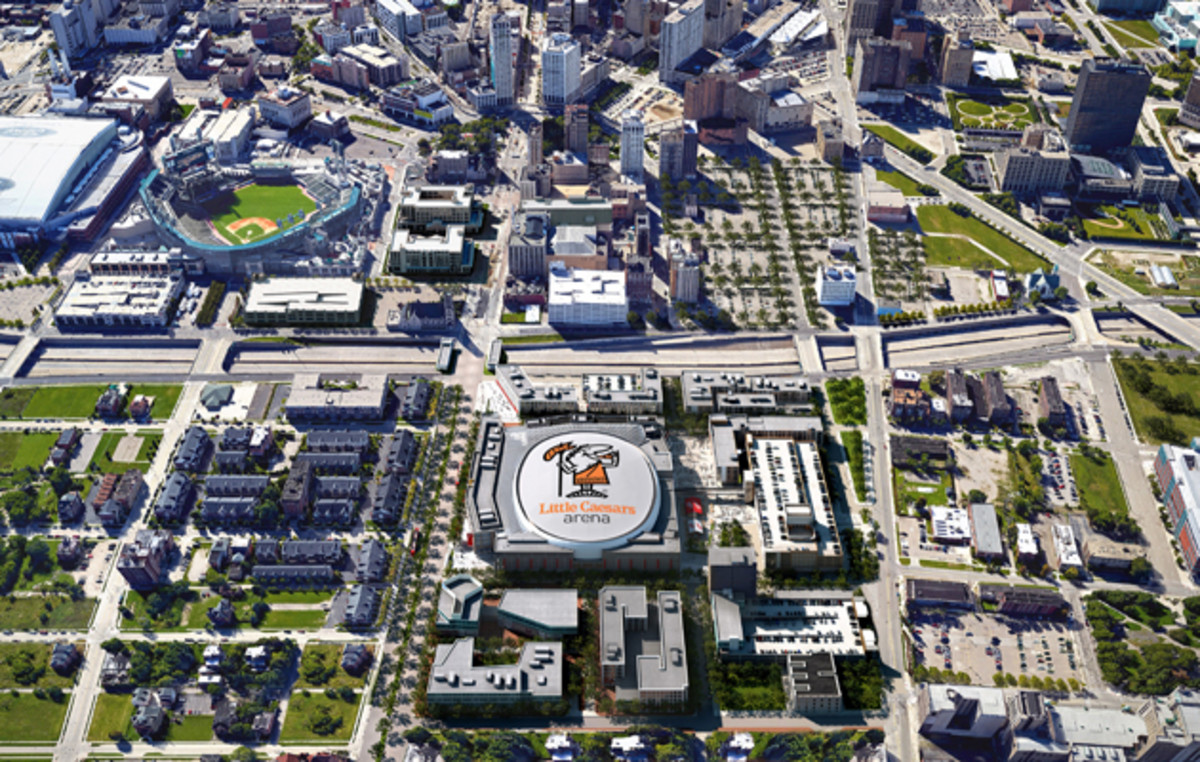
x,y
528,398
108,301
836,286
587,298
1066,552
799,622
460,603
304,301
624,393
455,679
419,101
656,670
313,399
141,562
985,532
943,594
1050,402
285,107
962,712
362,605
887,206
544,614
447,253
810,685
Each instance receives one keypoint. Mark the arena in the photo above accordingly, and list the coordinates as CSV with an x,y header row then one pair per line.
x,y
573,495
267,217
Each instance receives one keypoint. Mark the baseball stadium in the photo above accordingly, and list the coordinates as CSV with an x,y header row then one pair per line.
x,y
244,219
584,495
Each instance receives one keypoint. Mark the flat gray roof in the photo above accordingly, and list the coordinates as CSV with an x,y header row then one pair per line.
x,y
536,675
551,609
986,529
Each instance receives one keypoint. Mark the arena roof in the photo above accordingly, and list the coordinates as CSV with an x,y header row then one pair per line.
x,y
40,160
586,487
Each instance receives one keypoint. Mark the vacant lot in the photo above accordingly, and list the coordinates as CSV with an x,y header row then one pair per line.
x,y
19,450
306,712
112,715
194,727
902,142
25,718
1114,222
63,613
13,401
321,667
36,654
899,181
1155,424
103,458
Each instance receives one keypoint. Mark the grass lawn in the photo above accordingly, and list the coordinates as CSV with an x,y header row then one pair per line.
x,y
40,652
14,400
301,709
1141,409
901,141
165,397
330,655
1164,115
847,401
286,619
102,458
64,614
112,714
1099,485
1137,28
939,219
912,490
194,727
64,401
18,450
853,442
899,181
269,202
955,252
36,579
27,719
1137,226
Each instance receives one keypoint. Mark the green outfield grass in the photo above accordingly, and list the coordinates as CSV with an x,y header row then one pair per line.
x,y
271,202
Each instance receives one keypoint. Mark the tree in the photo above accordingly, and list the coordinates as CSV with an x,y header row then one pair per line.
x,y
243,754
1035,297
1140,569
61,481
1060,293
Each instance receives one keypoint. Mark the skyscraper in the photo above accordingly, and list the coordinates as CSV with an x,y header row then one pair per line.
x,y
958,59
575,127
76,30
633,144
635,16
880,65
722,20
1107,104
1189,112
867,18
678,147
535,144
560,70
682,35
501,54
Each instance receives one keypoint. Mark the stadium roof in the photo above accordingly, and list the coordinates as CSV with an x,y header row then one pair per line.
x,y
40,160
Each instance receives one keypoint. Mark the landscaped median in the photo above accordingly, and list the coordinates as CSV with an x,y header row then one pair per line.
x,y
901,142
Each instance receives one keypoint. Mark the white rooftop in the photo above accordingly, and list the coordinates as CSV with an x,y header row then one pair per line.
x,y
587,286
40,158
282,295
994,65
136,87
950,524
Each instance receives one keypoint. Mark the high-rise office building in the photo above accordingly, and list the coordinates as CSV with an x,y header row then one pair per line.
x,y
1189,111
868,18
75,27
722,20
633,144
575,127
535,144
958,59
1107,104
579,13
881,65
560,70
678,148
681,36
635,16
501,55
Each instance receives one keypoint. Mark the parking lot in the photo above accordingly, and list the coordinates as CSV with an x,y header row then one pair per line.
x,y
982,645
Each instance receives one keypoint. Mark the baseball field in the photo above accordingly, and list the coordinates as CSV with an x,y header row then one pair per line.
x,y
254,212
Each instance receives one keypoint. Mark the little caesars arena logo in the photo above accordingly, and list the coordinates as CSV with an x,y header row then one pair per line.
x,y
582,471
